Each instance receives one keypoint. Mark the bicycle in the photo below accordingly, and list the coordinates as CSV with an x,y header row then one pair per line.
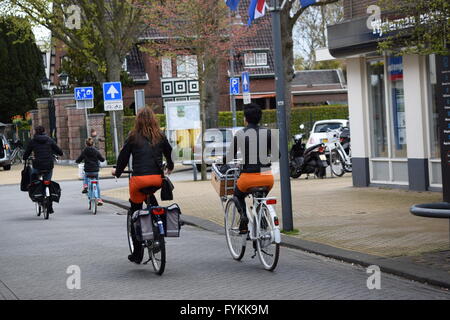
x,y
340,161
263,226
92,193
42,205
156,248
17,153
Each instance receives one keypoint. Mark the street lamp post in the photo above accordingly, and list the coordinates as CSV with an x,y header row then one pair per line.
x,y
46,86
233,22
285,182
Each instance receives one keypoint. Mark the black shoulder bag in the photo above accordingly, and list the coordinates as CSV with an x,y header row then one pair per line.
x,y
166,187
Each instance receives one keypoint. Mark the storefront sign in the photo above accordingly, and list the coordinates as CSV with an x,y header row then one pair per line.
x,y
443,103
395,68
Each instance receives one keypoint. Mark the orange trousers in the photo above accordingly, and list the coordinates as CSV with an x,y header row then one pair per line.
x,y
140,182
252,180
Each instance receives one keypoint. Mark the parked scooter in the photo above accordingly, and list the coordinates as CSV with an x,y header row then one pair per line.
x,y
310,161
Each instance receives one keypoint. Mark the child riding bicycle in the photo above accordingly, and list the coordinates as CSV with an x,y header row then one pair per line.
x,y
92,158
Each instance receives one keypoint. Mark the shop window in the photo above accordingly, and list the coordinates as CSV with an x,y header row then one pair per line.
x,y
376,77
397,105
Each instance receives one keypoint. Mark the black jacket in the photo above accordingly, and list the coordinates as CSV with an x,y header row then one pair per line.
x,y
91,158
247,143
43,148
147,158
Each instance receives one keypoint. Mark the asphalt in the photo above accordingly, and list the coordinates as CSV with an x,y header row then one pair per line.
x,y
35,255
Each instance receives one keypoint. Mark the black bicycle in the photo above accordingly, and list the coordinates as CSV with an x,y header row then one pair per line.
x,y
43,198
156,247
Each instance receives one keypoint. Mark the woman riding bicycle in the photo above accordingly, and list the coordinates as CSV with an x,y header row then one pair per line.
x,y
147,144
254,144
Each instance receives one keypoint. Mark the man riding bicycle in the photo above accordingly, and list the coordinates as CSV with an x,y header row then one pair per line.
x,y
44,148
147,144
254,144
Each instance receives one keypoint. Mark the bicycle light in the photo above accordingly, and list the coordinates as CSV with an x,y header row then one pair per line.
x,y
158,211
276,222
47,182
271,201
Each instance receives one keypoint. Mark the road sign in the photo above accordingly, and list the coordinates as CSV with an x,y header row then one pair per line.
x,y
247,98
85,104
139,99
245,82
113,105
84,93
234,86
112,91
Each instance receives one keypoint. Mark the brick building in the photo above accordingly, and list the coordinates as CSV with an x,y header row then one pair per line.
x,y
392,103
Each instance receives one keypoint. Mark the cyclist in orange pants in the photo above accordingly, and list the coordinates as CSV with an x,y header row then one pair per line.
x,y
147,144
254,144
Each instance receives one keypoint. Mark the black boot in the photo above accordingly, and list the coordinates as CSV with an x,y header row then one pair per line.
x,y
138,252
50,207
243,222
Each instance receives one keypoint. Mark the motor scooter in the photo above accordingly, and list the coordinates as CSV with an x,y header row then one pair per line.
x,y
307,161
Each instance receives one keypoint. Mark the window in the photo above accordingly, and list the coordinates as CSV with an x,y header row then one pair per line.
x,y
249,59
187,67
397,105
44,58
124,65
252,59
375,71
261,59
166,66
435,147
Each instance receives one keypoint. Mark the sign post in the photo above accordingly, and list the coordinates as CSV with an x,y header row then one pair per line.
x,y
112,96
139,99
84,97
443,104
246,87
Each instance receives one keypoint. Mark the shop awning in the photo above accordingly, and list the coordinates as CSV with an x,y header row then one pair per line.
x,y
258,96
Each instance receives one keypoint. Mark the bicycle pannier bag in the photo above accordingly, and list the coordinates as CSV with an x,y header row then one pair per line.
x,y
173,222
143,226
36,191
55,191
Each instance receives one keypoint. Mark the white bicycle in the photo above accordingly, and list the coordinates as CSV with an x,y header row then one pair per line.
x,y
340,161
263,225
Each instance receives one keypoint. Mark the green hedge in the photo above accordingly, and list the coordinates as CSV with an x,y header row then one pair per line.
x,y
299,115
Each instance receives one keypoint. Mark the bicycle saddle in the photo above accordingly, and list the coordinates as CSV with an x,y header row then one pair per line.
x,y
91,176
149,190
259,190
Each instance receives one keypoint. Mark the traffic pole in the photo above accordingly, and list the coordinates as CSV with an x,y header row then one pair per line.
x,y
116,141
285,181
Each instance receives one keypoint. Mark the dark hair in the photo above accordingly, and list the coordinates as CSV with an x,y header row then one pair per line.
x,y
89,142
252,113
39,130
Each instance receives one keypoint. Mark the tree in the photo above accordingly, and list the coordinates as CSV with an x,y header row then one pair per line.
x,y
102,32
423,27
200,28
310,30
289,17
21,68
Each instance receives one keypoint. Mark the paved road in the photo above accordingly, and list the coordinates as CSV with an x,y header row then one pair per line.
x,y
35,254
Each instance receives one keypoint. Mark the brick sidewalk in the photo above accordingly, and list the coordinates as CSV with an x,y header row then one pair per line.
x,y
374,221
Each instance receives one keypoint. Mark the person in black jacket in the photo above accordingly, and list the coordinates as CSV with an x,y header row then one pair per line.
x,y
44,148
147,144
92,158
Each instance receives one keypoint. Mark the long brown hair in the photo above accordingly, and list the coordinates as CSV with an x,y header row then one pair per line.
x,y
146,126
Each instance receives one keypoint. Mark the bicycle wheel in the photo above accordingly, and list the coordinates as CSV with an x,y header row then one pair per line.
x,y
268,250
38,209
337,163
235,241
93,206
130,239
157,253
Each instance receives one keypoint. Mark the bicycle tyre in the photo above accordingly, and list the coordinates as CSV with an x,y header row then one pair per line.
x,y
336,161
93,206
130,239
38,209
159,264
45,209
235,241
261,244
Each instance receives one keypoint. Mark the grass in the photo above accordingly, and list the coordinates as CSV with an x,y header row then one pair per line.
x,y
294,232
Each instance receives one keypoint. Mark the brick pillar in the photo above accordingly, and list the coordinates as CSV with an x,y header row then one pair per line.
x,y
96,122
62,129
34,120
42,104
76,124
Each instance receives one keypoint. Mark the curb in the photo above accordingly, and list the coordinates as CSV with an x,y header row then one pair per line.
x,y
402,269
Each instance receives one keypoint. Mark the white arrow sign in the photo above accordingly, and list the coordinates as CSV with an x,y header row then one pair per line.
x,y
112,91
